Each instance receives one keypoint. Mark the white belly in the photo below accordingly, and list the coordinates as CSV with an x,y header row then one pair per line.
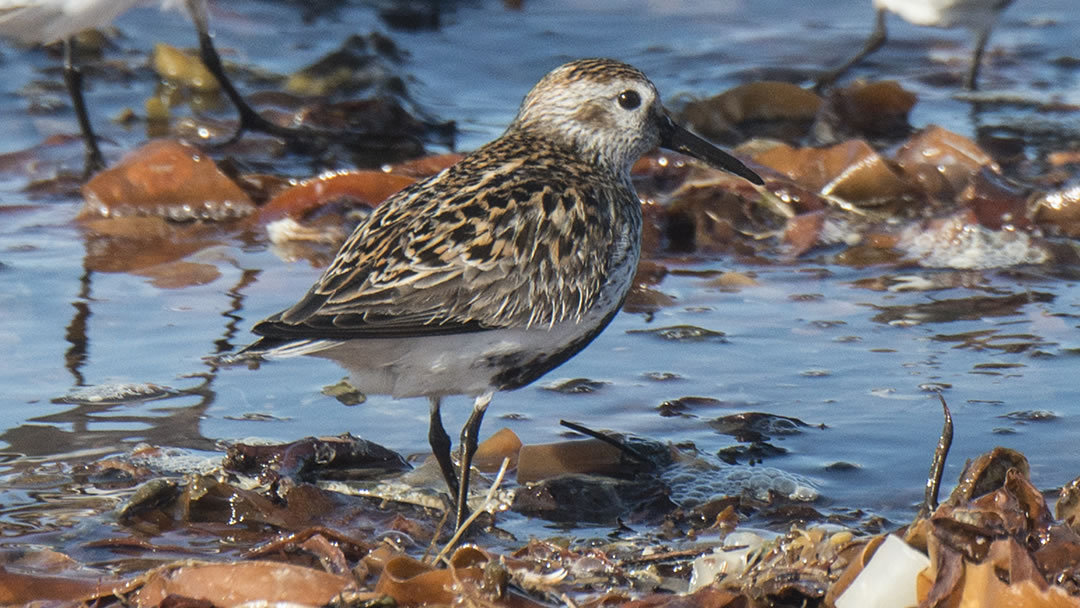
x,y
459,364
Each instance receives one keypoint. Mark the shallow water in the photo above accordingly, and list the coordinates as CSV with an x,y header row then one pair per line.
x,y
808,341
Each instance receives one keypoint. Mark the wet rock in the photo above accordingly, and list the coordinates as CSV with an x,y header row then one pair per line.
x,y
345,393
1067,507
702,223
368,188
942,162
1059,210
662,376
684,405
608,453
792,514
150,496
592,456
852,171
987,473
997,202
1030,416
380,125
46,576
709,210
386,124
361,64
182,68
757,426
683,333
116,394
576,386
802,232
776,108
241,582
732,281
592,499
503,444
660,172
335,457
645,300
865,109
261,187
752,453
168,179
880,251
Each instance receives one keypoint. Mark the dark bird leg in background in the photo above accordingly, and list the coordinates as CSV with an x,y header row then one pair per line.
x,y
876,40
440,447
73,78
250,120
301,138
981,38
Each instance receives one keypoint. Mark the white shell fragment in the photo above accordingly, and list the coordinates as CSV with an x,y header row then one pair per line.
x,y
731,559
888,581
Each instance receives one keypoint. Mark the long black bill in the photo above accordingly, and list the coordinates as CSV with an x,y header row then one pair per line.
x,y
674,137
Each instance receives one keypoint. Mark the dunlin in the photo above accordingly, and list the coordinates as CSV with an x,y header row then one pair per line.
x,y
43,21
979,16
492,273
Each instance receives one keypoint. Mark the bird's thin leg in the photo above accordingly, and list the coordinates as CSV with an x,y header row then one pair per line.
x,y
873,43
250,120
469,434
299,137
440,447
981,38
73,78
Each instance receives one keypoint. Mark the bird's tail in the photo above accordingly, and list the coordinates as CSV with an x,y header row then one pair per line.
x,y
266,349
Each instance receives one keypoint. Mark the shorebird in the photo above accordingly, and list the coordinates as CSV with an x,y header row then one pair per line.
x,y
979,16
488,275
46,21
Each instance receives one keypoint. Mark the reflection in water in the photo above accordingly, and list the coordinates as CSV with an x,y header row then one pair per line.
x,y
36,497
992,339
960,309
232,316
96,426
76,355
104,427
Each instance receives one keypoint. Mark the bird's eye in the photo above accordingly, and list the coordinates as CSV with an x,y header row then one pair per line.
x,y
629,99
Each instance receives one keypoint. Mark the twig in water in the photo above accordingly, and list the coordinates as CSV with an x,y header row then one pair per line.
x,y
438,530
619,445
483,507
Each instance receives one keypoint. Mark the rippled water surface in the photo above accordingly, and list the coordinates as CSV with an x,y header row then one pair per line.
x,y
850,351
